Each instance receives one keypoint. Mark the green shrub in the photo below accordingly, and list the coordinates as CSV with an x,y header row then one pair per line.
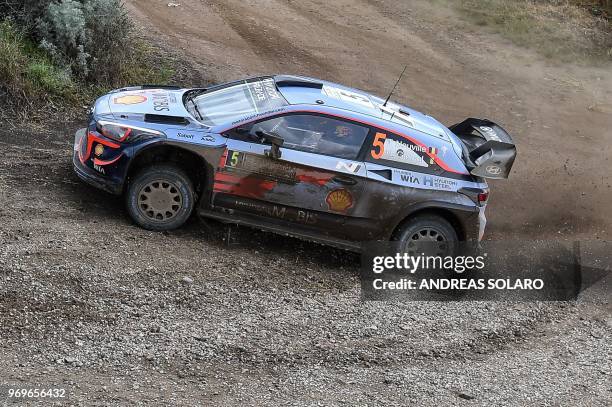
x,y
92,37
24,12
47,78
27,75
68,51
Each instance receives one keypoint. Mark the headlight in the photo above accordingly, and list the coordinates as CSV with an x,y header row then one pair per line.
x,y
123,133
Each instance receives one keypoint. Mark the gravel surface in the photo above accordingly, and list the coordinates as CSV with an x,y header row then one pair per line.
x,y
120,315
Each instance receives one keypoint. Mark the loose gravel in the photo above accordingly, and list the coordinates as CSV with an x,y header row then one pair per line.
x,y
119,315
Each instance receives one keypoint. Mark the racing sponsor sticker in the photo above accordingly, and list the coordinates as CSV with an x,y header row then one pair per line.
x,y
99,168
264,91
424,180
260,115
191,136
392,148
256,165
399,151
339,200
162,100
347,96
490,133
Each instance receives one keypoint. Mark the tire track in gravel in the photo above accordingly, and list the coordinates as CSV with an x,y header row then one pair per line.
x,y
266,41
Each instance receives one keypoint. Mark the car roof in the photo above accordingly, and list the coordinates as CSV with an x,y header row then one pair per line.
x,y
302,90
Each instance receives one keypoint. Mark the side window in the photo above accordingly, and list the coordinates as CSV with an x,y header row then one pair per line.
x,y
314,134
397,151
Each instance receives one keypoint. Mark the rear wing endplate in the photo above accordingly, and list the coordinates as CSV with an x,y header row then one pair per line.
x,y
490,149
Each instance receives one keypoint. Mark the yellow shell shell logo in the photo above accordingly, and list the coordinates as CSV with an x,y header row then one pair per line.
x,y
99,150
339,200
130,100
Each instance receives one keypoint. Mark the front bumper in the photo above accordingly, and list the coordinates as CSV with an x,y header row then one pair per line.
x,y
89,175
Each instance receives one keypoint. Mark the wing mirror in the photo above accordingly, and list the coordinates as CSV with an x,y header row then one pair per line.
x,y
275,140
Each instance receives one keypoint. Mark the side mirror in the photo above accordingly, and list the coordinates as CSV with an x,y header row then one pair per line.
x,y
275,140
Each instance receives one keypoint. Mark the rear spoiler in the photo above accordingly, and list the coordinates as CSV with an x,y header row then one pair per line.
x,y
489,151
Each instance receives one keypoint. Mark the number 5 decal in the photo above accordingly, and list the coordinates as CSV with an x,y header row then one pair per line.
x,y
234,158
379,141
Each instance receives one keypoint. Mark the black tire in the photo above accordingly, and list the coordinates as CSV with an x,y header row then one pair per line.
x,y
160,197
426,228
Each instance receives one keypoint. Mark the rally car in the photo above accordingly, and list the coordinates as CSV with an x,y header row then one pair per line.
x,y
293,155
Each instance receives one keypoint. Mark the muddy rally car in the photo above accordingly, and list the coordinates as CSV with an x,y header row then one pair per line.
x,y
292,155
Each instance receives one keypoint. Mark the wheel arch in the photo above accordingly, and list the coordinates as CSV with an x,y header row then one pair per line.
x,y
447,213
193,164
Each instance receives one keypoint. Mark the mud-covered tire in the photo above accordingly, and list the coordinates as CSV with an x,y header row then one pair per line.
x,y
160,197
428,228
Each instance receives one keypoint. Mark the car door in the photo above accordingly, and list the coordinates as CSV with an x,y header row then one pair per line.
x,y
317,184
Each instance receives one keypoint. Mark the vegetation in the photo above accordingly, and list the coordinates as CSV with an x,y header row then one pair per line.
x,y
27,74
569,30
66,51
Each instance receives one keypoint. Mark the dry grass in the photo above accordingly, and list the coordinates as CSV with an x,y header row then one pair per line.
x,y
27,75
568,30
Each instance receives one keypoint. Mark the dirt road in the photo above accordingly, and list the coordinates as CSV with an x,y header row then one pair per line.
x,y
94,304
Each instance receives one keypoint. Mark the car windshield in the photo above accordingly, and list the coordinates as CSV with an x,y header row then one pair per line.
x,y
234,102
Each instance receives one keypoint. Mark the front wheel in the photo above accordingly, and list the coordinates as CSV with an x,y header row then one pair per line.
x,y
160,198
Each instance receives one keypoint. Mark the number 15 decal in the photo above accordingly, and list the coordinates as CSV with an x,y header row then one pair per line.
x,y
379,142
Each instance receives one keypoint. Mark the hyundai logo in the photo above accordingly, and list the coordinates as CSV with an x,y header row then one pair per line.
x,y
493,170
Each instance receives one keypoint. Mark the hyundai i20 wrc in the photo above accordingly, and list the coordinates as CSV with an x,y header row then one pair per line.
x,y
293,155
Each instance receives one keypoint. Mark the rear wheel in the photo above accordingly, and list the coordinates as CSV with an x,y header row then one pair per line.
x,y
160,198
429,234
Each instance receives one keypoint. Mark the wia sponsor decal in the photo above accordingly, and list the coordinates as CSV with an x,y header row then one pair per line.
x,y
424,180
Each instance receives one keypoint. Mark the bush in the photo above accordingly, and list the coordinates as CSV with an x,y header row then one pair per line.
x,y
92,37
70,50
27,75
24,12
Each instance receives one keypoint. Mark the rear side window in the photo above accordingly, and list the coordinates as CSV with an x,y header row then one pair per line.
x,y
317,134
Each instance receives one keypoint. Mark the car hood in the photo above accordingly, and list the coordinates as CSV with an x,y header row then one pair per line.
x,y
134,103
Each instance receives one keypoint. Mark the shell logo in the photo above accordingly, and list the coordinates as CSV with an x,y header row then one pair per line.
x,y
130,100
339,200
99,150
